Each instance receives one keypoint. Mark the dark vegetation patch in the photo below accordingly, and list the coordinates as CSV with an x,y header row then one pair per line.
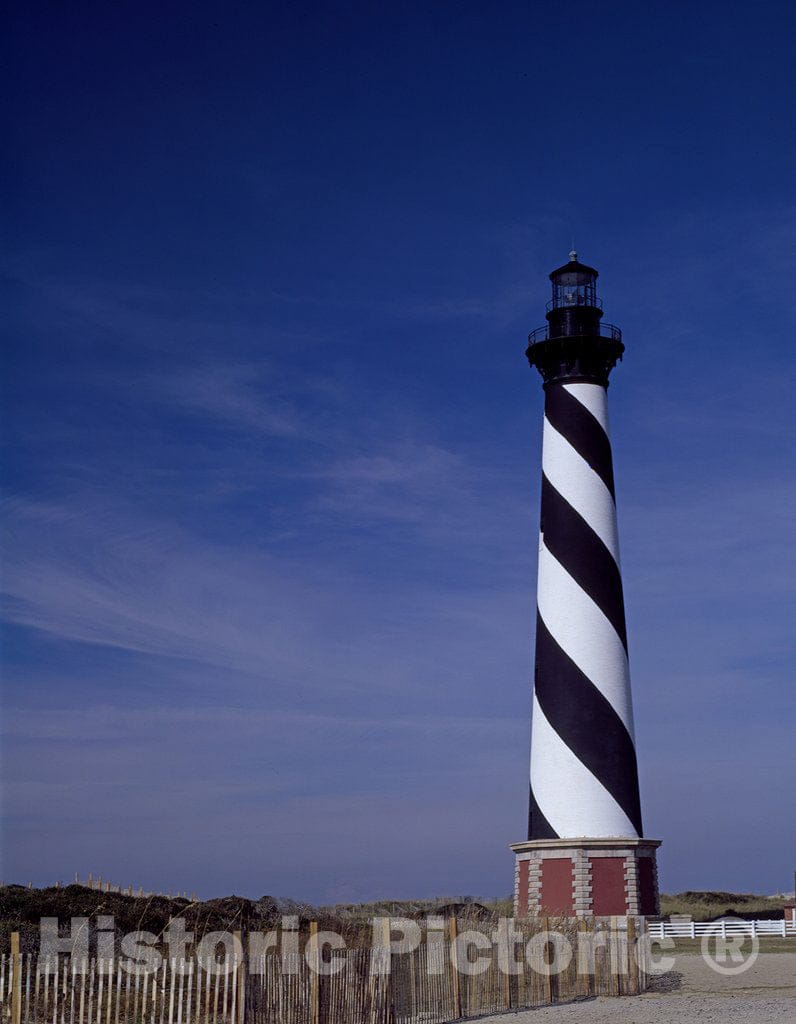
x,y
22,908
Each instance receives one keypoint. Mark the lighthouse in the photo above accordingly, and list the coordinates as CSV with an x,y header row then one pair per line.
x,y
585,853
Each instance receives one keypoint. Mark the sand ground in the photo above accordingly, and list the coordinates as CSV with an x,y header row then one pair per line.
x,y
690,992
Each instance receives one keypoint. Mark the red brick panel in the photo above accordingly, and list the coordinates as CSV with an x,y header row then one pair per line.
x,y
556,897
647,902
608,886
522,895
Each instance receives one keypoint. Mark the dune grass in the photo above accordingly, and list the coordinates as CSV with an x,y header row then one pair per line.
x,y
704,906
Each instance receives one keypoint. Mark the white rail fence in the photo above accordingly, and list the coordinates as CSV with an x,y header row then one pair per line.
x,y
725,928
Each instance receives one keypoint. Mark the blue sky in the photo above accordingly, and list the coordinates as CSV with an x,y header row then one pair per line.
x,y
272,449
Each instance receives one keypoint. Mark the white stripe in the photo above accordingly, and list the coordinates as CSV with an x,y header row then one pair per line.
x,y
574,802
581,629
595,398
577,483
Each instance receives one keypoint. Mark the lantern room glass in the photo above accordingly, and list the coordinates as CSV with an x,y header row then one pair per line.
x,y
574,288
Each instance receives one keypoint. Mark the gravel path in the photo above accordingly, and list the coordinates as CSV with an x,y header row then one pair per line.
x,y
691,992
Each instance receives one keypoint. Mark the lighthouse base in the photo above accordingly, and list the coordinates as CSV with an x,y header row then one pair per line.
x,y
586,877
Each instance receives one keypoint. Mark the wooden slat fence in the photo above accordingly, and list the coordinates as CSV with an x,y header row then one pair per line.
x,y
421,987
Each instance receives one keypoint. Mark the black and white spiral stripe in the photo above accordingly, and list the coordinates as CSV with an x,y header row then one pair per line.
x,y
584,778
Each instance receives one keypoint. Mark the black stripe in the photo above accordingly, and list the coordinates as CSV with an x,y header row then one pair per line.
x,y
575,545
538,826
583,431
586,723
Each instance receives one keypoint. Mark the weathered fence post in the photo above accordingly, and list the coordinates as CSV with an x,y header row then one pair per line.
x,y
454,960
632,956
617,960
240,1004
389,992
548,974
585,985
641,953
16,980
507,981
312,946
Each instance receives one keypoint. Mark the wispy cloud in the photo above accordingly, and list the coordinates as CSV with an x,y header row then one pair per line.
x,y
239,394
95,575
